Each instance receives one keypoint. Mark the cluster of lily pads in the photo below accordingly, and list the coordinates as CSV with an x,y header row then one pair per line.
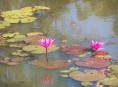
x,y
23,15
26,44
97,66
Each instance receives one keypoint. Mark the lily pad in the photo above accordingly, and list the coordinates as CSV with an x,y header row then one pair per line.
x,y
51,64
114,69
8,35
42,49
74,49
27,19
109,81
93,63
17,38
17,59
37,49
102,54
32,39
19,53
85,83
18,45
4,24
87,75
34,34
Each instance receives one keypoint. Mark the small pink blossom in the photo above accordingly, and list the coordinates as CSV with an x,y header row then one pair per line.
x,y
96,45
46,42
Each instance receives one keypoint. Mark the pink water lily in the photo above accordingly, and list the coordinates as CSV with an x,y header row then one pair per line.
x,y
96,45
46,42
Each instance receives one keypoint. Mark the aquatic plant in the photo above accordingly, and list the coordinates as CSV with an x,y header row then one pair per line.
x,y
87,75
4,24
86,83
74,49
93,62
51,64
96,45
46,42
110,81
102,54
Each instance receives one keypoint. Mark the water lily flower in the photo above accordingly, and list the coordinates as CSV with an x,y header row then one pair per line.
x,y
46,42
96,45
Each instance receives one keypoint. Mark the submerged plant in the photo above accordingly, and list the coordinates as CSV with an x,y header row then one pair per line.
x,y
96,45
46,42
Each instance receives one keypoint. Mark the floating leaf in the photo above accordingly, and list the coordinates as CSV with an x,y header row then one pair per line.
x,y
64,75
32,39
114,69
109,81
28,19
17,59
19,45
17,38
73,68
86,83
93,63
4,24
19,53
37,49
65,71
8,35
87,75
74,49
41,8
84,54
34,34
51,64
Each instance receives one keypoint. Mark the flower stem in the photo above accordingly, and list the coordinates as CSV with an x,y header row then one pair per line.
x,y
46,56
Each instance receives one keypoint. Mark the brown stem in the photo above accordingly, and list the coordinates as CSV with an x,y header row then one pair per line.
x,y
46,55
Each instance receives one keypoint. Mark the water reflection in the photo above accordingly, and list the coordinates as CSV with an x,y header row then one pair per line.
x,y
94,19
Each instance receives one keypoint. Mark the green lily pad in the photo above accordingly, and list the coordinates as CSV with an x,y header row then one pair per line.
x,y
109,81
114,69
18,45
4,24
37,49
41,8
11,20
17,38
64,76
41,49
86,83
28,19
9,34
19,53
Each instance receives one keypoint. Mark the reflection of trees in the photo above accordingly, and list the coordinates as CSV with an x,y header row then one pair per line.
x,y
116,25
102,8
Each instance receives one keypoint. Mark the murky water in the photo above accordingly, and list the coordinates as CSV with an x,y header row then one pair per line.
x,y
77,21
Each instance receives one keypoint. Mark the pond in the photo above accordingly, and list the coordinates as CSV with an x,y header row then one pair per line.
x,y
69,22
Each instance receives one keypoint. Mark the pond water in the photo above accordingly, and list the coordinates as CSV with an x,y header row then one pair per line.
x,y
77,21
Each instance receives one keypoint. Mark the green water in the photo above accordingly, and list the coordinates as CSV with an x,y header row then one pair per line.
x,y
94,19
